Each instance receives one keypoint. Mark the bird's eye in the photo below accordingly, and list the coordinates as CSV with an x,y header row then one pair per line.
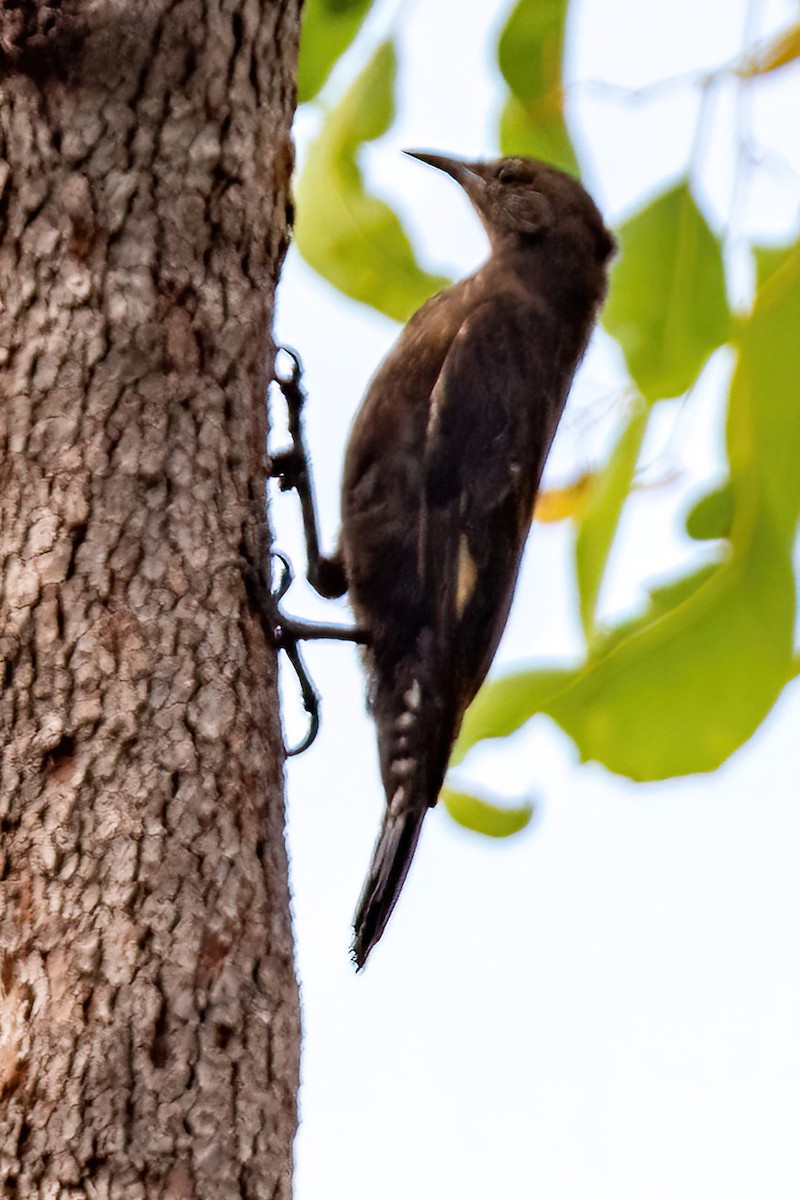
x,y
513,173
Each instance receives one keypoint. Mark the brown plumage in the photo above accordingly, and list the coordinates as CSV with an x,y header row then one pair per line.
x,y
442,467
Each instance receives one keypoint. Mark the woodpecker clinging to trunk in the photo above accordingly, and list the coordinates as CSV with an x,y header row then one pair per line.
x,y
441,471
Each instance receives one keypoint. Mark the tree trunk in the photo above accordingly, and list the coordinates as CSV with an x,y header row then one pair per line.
x,y
148,1007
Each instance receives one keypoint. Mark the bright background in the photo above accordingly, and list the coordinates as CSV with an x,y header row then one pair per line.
x,y
607,1005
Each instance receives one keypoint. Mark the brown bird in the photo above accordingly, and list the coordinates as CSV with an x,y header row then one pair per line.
x,y
441,471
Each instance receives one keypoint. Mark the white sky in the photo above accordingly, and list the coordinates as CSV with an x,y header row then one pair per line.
x,y
606,1005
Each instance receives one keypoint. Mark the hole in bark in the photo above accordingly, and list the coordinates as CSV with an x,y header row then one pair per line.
x,y
238,34
158,1046
270,1074
191,64
223,1036
60,753
78,538
24,1136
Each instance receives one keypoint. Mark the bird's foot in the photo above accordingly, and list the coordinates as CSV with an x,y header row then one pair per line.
x,y
288,632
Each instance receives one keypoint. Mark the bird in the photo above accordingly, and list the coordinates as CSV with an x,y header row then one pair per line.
x,y
441,471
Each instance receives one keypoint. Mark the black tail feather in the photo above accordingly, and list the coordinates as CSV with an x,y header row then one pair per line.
x,y
391,859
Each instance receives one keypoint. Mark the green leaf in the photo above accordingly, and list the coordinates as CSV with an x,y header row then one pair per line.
x,y
662,598
530,53
489,819
353,239
679,688
769,259
537,131
764,412
504,705
712,515
601,512
531,48
667,305
680,693
687,685
328,28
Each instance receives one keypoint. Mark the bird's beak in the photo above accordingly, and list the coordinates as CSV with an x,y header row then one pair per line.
x,y
463,173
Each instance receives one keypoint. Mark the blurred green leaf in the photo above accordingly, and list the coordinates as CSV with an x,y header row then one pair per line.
x,y
712,515
667,306
531,47
674,692
680,693
482,817
601,512
679,688
662,598
769,259
353,239
504,705
764,411
530,52
537,131
328,28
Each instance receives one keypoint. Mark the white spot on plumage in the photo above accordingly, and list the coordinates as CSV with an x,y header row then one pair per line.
x,y
404,721
466,577
413,697
398,801
402,767
435,410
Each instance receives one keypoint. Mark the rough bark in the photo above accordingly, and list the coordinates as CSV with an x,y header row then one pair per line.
x,y
148,1007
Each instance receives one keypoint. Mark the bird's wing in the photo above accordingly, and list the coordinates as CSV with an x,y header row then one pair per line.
x,y
491,421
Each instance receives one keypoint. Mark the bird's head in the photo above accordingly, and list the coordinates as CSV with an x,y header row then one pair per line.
x,y
523,200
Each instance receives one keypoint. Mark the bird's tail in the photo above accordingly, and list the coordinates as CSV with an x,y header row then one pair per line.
x,y
415,732
391,859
